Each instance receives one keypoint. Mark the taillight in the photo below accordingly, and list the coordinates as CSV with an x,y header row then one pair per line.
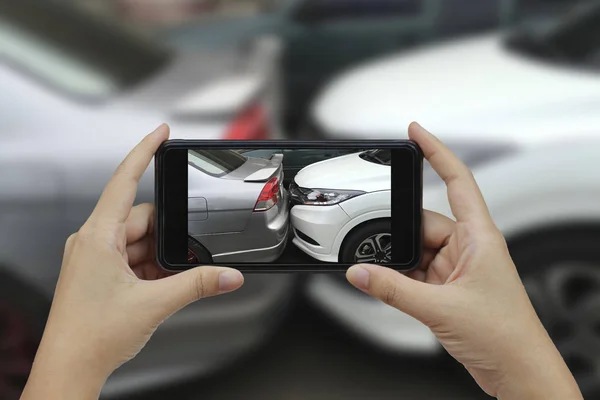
x,y
269,196
250,124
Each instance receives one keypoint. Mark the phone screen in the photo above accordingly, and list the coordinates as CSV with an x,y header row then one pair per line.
x,y
290,207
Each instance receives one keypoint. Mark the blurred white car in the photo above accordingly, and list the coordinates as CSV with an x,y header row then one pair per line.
x,y
341,217
76,96
530,86
522,111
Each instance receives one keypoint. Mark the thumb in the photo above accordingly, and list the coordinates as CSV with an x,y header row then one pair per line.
x,y
417,299
177,291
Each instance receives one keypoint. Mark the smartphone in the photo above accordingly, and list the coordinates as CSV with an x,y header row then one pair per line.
x,y
288,206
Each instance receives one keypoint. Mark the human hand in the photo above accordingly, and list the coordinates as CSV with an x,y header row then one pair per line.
x,y
111,296
468,292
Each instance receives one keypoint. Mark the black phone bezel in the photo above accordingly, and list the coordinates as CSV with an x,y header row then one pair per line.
x,y
161,189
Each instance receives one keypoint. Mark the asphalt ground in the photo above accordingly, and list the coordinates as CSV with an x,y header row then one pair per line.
x,y
293,255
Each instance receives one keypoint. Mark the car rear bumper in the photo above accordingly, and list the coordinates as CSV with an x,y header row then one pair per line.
x,y
263,255
316,228
273,236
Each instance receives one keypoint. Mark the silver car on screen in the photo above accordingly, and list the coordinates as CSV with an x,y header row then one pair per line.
x,y
238,209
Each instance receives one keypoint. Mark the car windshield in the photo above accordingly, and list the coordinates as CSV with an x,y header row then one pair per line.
x,y
383,157
216,163
574,38
72,51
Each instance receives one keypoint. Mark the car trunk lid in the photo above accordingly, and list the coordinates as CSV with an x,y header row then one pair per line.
x,y
259,169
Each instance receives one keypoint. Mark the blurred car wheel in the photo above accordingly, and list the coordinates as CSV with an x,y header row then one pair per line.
x,y
368,243
23,313
561,272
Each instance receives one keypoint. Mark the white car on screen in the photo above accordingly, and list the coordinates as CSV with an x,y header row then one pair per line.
x,y
344,217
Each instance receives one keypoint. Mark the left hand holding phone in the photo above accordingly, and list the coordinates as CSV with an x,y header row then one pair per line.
x,y
111,295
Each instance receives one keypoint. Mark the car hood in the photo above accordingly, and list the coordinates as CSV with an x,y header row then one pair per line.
x,y
462,89
348,172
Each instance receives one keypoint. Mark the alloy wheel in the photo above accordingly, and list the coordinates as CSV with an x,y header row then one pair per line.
x,y
375,249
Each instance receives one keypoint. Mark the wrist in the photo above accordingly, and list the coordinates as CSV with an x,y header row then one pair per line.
x,y
63,372
538,372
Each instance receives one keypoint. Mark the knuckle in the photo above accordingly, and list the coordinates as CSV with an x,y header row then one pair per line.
x,y
499,239
85,233
90,232
390,294
451,177
145,208
126,180
71,239
199,286
492,234
70,242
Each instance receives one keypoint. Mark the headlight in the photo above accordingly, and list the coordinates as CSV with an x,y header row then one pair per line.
x,y
321,197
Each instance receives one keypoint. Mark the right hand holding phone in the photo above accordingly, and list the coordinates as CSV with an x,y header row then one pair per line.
x,y
468,292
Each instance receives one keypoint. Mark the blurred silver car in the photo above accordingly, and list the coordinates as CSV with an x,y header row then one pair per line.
x,y
238,209
48,187
77,95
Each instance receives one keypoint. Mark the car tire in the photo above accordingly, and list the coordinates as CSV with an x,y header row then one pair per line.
x,y
561,273
359,235
23,314
197,254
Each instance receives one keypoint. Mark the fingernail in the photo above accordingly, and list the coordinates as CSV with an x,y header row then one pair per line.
x,y
230,280
359,277
416,124
420,127
160,129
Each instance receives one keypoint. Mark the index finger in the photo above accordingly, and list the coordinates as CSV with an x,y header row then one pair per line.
x,y
464,195
119,194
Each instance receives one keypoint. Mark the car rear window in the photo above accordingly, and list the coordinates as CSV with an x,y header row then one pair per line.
x,y
75,52
382,157
216,163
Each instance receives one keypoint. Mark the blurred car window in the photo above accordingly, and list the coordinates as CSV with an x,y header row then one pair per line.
x,y
458,16
216,163
330,9
535,5
579,37
572,39
27,51
73,52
